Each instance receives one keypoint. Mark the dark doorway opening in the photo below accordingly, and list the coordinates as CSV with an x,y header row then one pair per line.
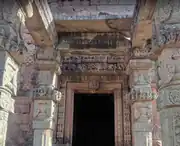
x,y
93,123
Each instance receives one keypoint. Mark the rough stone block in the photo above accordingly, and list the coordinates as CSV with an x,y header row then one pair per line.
x,y
22,108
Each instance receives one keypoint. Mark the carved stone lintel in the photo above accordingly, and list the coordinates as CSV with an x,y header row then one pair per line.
x,y
93,63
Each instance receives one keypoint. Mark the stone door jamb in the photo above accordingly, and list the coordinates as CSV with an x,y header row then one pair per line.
x,y
106,87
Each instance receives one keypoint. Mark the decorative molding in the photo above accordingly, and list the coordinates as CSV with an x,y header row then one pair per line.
x,y
64,79
93,63
93,41
142,93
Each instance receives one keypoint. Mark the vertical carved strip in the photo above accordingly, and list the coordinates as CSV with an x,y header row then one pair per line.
x,y
67,116
118,118
61,117
126,119
71,115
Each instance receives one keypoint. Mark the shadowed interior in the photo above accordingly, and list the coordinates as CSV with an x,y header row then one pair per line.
x,y
93,120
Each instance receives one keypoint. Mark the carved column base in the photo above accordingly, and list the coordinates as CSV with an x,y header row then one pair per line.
x,y
170,124
45,114
142,123
142,136
43,137
169,109
3,126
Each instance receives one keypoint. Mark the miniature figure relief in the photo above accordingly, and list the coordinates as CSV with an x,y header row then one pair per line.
x,y
43,110
143,112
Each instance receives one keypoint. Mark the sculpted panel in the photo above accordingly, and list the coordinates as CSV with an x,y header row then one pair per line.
x,y
166,26
93,63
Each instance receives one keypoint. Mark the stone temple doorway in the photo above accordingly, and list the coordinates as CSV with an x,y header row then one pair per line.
x,y
100,90
93,122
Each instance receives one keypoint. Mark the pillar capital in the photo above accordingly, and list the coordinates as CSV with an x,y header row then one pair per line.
x,y
142,78
46,96
166,26
168,67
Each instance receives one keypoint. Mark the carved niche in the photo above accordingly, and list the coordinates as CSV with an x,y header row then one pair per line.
x,y
94,84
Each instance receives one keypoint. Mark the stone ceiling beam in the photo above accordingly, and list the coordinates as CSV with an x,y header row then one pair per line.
x,y
39,21
142,28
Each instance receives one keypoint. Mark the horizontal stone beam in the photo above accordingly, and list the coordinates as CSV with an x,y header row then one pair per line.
x,y
39,21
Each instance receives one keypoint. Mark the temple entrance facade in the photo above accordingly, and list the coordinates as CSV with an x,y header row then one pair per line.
x,y
51,51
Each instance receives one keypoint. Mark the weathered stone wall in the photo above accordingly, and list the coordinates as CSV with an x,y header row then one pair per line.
x,y
19,124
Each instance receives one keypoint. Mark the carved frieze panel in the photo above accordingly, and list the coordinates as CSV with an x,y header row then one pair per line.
x,y
86,78
92,41
93,63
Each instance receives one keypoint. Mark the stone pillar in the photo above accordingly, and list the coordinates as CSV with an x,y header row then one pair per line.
x,y
156,126
168,103
8,88
140,71
166,42
46,98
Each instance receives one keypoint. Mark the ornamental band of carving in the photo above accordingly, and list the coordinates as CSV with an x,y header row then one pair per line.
x,y
93,63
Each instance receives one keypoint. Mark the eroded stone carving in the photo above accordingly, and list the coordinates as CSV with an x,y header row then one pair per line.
x,y
89,63
143,112
46,92
166,27
85,10
94,85
168,68
9,23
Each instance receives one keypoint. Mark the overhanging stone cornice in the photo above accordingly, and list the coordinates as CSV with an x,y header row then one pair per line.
x,y
39,21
